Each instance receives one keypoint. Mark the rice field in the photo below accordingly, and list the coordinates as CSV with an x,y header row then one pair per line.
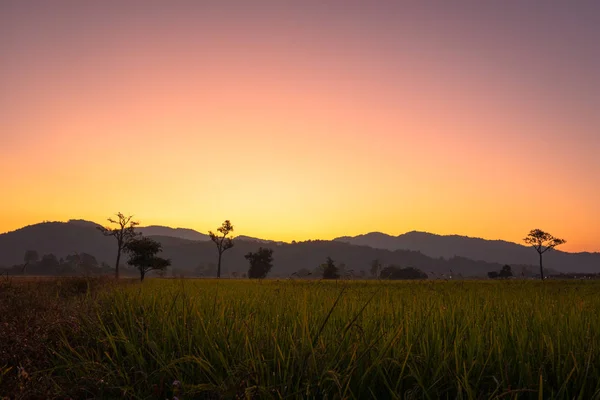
x,y
194,339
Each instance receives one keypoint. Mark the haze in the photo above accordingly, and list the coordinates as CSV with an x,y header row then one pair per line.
x,y
304,120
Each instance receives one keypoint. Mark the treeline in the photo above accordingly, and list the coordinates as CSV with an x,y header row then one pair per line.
x,y
50,265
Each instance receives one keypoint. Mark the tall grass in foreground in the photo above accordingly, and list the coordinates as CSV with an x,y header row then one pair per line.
x,y
356,340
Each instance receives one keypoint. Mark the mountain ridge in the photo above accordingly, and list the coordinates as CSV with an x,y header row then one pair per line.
x,y
498,250
197,258
63,238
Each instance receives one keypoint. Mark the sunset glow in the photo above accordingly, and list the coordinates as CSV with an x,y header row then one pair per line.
x,y
304,122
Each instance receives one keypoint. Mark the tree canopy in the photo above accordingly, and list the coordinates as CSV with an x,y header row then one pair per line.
x,y
143,253
330,271
542,242
261,263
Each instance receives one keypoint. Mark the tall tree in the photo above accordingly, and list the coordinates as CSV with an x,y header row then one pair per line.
x,y
223,242
143,253
375,267
330,271
506,272
261,263
31,257
542,242
124,232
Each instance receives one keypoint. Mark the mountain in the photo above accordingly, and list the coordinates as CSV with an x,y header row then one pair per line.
x,y
59,238
257,240
196,257
182,233
498,251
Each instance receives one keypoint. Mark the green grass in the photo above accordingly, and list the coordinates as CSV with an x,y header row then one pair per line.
x,y
356,340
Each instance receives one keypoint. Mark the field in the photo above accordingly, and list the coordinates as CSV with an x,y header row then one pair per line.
x,y
304,339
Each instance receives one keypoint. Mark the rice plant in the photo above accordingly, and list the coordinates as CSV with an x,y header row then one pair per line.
x,y
330,340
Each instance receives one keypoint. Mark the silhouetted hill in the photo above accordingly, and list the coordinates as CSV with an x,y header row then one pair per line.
x,y
182,233
188,256
498,251
59,238
253,239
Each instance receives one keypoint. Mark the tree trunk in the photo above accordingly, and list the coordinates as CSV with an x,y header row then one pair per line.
x,y
142,275
219,266
117,264
541,268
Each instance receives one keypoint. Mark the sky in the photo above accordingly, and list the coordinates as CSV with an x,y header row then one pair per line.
x,y
304,119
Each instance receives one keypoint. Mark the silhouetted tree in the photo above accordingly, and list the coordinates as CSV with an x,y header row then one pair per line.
x,y
375,268
143,253
49,264
31,257
492,275
542,242
261,263
123,233
330,271
80,263
222,241
394,272
506,272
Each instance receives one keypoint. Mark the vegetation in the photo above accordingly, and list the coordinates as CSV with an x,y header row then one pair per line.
x,y
394,272
505,272
222,242
261,263
309,339
143,257
375,268
123,233
542,242
36,314
75,264
330,270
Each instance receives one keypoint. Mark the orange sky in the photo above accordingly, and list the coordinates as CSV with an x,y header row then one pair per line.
x,y
303,122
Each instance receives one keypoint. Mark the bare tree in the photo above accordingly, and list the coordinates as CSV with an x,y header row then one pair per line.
x,y
542,242
124,232
222,241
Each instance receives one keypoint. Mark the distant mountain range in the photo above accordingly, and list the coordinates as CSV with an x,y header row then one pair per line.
x,y
497,251
182,233
192,253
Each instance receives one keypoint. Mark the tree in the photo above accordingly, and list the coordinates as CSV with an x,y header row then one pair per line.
x,y
542,242
80,263
143,253
123,233
30,257
261,263
506,272
330,271
492,275
222,241
48,265
375,268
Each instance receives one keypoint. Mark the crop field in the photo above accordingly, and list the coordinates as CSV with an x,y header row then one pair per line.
x,y
311,339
